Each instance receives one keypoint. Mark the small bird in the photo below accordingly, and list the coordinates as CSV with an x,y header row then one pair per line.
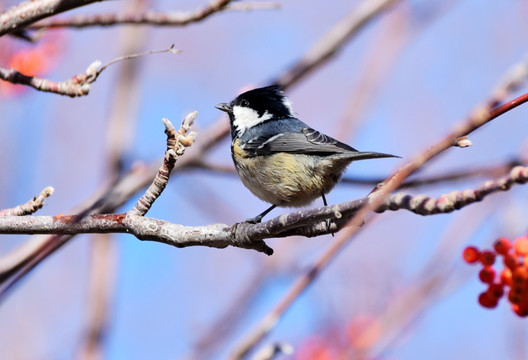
x,y
279,158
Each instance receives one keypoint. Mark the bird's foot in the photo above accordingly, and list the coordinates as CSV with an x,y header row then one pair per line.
x,y
254,220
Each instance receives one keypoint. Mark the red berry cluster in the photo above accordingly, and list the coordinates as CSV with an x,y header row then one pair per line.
x,y
513,279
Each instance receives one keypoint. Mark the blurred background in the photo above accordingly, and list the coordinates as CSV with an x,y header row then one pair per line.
x,y
399,290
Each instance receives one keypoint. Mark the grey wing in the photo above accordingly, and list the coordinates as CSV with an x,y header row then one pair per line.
x,y
305,141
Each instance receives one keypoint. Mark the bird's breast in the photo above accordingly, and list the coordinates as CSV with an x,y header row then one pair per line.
x,y
286,179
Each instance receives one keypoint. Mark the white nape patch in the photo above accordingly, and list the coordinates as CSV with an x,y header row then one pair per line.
x,y
286,102
270,140
245,118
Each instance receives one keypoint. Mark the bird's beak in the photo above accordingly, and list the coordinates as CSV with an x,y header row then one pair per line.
x,y
224,107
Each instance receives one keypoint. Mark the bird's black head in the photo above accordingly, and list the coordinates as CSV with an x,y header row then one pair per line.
x,y
268,99
256,106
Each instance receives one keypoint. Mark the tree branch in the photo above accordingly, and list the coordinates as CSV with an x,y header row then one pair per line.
x,y
455,200
245,235
174,18
176,144
27,12
31,206
79,85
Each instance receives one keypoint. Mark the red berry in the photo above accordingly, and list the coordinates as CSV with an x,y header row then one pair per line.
x,y
487,258
487,301
520,276
502,246
511,261
520,310
471,254
506,277
487,274
495,291
520,245
513,297
519,291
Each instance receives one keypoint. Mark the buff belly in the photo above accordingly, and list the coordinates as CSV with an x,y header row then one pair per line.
x,y
290,180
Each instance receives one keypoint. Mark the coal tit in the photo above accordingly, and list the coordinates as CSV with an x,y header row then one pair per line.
x,y
280,159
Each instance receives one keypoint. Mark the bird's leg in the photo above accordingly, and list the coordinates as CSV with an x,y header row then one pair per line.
x,y
258,218
327,220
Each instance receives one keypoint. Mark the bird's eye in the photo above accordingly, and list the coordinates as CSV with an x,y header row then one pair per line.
x,y
244,102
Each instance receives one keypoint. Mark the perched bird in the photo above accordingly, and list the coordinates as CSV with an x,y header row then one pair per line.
x,y
280,159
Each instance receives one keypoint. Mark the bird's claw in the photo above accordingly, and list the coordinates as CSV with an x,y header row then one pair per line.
x,y
254,220
328,222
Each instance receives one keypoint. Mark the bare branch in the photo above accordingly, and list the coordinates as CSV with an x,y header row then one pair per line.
x,y
76,86
455,200
176,144
334,40
79,85
31,206
175,18
245,235
256,5
216,235
29,11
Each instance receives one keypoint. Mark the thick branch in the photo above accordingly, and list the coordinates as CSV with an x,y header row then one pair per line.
x,y
27,12
172,18
245,235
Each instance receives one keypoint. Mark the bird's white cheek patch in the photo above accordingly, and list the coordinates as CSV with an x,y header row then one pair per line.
x,y
245,118
288,104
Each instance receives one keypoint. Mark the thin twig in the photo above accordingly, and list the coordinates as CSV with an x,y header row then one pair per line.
x,y
170,50
31,206
176,144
